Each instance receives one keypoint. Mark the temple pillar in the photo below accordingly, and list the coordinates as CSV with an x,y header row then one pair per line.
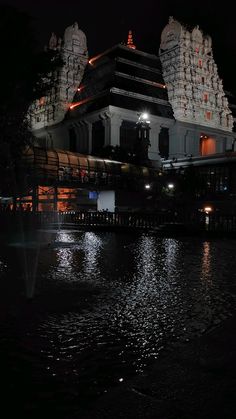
x,y
111,123
153,151
115,124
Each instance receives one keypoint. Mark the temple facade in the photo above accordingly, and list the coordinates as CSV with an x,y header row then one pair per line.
x,y
204,121
98,102
51,110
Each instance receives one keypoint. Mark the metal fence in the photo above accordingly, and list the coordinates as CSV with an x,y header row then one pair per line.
x,y
221,223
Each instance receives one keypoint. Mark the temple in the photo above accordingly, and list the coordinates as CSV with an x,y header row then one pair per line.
x,y
168,109
96,102
51,110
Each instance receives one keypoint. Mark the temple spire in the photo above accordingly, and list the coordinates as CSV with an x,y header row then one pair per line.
x,y
130,42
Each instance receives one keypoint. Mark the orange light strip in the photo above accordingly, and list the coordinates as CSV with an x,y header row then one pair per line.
x,y
91,61
88,99
75,105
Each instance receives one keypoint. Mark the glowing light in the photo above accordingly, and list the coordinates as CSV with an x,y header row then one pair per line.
x,y
130,43
75,105
147,186
170,185
91,60
80,88
208,209
144,117
42,101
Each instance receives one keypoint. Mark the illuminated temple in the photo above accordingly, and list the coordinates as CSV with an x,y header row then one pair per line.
x,y
97,101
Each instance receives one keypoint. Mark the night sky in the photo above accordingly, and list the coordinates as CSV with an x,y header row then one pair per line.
x,y
106,23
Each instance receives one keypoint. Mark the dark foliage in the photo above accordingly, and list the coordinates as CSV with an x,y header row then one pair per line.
x,y
26,74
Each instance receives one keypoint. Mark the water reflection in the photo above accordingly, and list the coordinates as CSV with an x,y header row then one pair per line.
x,y
172,247
151,296
64,237
206,274
138,312
146,293
77,256
64,254
91,245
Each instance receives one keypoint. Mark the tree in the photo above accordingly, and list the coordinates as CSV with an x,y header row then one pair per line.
x,y
25,76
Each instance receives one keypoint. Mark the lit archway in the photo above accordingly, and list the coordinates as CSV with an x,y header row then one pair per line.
x,y
207,145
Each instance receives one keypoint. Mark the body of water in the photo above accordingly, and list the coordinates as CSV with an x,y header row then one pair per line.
x,y
82,312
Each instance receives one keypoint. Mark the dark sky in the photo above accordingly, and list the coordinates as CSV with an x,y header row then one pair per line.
x,y
106,23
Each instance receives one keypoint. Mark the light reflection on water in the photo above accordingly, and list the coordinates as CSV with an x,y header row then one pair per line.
x,y
112,302
206,264
92,244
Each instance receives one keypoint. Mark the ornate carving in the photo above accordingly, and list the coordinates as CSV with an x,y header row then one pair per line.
x,y
189,68
75,39
170,35
74,54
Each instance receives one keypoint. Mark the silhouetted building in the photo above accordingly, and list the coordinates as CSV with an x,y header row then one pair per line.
x,y
97,102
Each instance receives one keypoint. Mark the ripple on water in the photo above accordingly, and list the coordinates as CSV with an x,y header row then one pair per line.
x,y
112,303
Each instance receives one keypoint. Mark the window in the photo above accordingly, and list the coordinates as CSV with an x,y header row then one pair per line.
x,y
205,97
208,115
207,145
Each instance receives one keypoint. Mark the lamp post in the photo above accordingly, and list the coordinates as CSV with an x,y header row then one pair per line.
x,y
142,139
171,187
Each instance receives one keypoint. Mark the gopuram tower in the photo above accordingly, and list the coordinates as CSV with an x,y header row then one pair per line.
x,y
51,109
194,87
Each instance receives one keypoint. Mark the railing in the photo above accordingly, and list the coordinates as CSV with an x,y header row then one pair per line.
x,y
144,221
221,223
195,222
122,219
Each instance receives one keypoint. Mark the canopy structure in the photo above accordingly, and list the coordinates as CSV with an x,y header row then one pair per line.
x,y
59,180
60,165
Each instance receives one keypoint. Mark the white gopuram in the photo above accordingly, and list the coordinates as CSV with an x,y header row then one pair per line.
x,y
51,109
195,89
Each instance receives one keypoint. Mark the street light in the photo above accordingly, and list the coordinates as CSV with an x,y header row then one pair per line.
x,y
208,209
144,118
170,186
142,138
